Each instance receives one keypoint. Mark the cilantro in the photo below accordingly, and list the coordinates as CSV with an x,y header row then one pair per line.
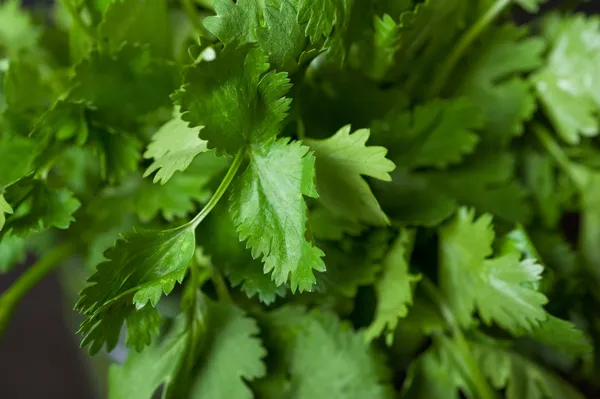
x,y
310,198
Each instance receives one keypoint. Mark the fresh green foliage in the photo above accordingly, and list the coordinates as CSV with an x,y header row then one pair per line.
x,y
310,198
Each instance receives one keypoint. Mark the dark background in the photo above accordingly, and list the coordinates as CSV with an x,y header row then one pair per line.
x,y
39,356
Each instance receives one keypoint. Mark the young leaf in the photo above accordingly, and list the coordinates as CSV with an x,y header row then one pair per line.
x,y
269,211
340,162
500,288
394,288
236,100
141,267
173,148
321,16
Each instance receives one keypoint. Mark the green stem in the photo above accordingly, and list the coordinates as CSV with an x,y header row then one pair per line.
x,y
237,162
558,155
463,44
12,297
76,17
221,287
480,384
192,13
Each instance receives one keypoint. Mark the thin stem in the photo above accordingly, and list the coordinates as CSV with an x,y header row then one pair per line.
x,y
237,162
558,155
76,17
463,44
221,287
481,385
12,297
192,13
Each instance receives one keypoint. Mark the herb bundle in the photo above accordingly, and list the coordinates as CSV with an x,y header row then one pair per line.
x,y
311,198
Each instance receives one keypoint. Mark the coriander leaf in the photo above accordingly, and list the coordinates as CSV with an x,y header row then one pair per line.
x,y
438,133
173,148
569,84
145,371
118,153
352,263
282,38
16,160
176,198
140,21
492,81
233,355
269,211
17,33
519,376
500,288
142,266
235,22
376,57
435,375
236,100
540,172
394,288
124,86
340,162
427,198
321,16
325,225
25,91
220,240
347,366
5,208
42,208
563,336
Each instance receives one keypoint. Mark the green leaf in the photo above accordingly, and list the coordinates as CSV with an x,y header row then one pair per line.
x,y
568,85
427,198
173,148
532,6
143,22
325,225
394,288
118,153
5,208
500,288
282,38
16,160
145,371
437,133
492,80
236,100
269,211
320,16
377,55
220,241
124,86
42,208
17,33
347,366
563,336
519,376
340,162
233,355
235,22
141,267
26,93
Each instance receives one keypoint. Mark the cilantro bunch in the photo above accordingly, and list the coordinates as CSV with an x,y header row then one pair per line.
x,y
311,198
